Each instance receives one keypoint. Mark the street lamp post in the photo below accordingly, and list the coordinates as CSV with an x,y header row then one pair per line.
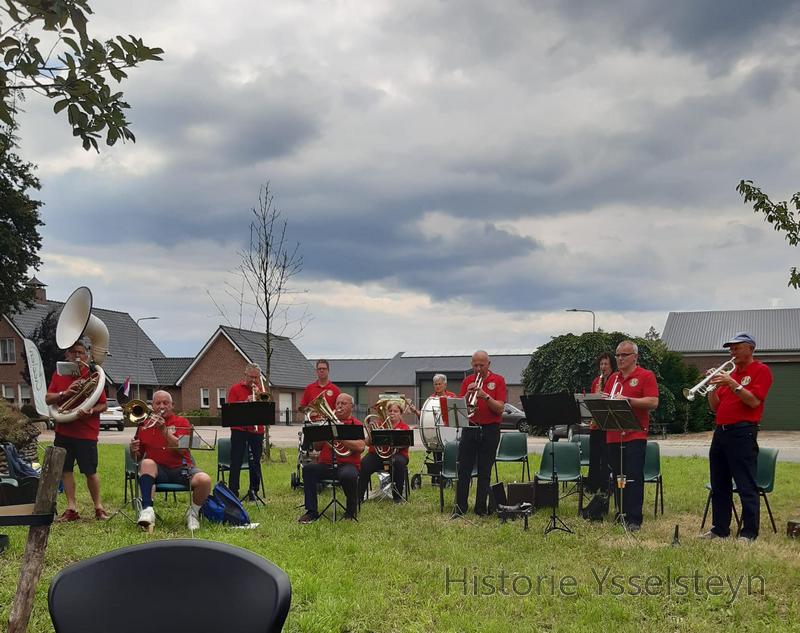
x,y
583,310
138,362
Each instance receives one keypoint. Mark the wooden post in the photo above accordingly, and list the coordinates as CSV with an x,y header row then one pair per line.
x,y
33,559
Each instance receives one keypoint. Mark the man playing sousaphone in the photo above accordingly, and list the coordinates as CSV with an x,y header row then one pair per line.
x,y
397,460
79,437
156,444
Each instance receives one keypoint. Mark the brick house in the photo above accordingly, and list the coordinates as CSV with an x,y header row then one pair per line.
x,y
205,381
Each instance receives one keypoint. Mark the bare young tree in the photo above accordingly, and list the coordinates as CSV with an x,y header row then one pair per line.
x,y
267,267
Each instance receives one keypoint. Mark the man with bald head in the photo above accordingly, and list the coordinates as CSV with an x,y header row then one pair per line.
x,y
347,466
163,462
479,441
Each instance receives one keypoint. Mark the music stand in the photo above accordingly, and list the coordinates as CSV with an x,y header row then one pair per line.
x,y
455,414
396,438
616,415
260,412
548,410
330,432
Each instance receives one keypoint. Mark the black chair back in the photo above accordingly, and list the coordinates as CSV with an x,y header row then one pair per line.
x,y
172,585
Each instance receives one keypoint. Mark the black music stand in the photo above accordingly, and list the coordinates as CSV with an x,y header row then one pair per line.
x,y
616,415
330,432
546,411
396,438
249,414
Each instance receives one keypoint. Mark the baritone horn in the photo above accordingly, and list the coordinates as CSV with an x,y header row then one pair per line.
x,y
323,410
703,387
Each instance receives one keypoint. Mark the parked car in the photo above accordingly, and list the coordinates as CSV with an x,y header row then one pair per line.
x,y
112,417
515,419
567,431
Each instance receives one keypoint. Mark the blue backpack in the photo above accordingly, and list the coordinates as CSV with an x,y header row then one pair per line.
x,y
222,506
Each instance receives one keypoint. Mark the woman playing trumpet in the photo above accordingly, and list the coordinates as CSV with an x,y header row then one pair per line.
x,y
598,463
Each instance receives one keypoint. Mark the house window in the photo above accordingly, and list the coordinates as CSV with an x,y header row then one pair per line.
x,y
8,352
204,398
220,397
8,393
24,394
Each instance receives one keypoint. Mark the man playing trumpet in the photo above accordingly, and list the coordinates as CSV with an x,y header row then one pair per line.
x,y
247,438
737,399
156,444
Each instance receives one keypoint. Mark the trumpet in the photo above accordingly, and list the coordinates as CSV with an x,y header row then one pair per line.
x,y
472,400
703,387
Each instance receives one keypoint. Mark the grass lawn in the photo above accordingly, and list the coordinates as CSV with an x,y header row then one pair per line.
x,y
500,577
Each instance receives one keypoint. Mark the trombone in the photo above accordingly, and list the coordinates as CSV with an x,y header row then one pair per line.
x,y
703,387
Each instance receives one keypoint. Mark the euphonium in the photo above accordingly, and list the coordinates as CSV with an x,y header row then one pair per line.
x,y
382,421
323,410
703,387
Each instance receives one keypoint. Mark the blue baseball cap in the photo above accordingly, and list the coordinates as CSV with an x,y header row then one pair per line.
x,y
741,337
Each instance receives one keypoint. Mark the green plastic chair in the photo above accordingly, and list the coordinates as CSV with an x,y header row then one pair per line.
x,y
132,481
765,483
652,473
582,440
513,447
450,470
568,465
224,463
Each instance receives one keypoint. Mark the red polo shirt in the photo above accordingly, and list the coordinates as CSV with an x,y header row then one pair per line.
x,y
640,383
400,426
757,379
314,389
82,428
353,458
153,444
240,392
495,386
595,388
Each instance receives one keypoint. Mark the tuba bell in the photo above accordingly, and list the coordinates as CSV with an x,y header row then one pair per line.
x,y
382,421
76,320
322,409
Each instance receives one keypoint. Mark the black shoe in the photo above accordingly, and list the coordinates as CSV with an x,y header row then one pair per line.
x,y
308,517
349,517
634,527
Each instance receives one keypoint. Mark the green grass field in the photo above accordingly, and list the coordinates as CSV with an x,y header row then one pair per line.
x,y
500,577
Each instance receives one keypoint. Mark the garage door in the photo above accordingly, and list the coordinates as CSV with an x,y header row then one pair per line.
x,y
782,409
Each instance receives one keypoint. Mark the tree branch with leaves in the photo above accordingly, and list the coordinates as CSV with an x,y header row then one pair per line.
x,y
778,214
45,48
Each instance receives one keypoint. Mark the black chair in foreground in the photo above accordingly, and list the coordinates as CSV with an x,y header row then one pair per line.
x,y
150,587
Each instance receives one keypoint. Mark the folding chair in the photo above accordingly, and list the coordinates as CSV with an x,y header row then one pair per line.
x,y
652,473
567,466
513,447
224,462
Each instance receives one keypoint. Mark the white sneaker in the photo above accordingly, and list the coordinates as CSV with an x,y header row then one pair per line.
x,y
147,519
192,520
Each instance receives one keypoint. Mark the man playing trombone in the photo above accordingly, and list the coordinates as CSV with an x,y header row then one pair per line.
x,y
156,444
737,399
247,438
78,438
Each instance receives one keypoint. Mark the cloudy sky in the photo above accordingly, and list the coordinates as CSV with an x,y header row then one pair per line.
x,y
457,174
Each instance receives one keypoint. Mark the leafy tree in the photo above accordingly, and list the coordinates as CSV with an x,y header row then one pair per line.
x,y
778,214
19,227
46,49
568,364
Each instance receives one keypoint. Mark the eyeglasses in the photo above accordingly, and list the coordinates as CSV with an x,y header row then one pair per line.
x,y
625,354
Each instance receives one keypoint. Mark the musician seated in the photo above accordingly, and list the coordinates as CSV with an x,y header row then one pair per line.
x,y
347,466
373,463
163,462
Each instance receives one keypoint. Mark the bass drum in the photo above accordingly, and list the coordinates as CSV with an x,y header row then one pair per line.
x,y
432,430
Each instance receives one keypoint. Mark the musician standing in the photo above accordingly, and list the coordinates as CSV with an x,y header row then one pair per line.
x,y
598,461
247,438
479,443
738,401
163,462
78,438
321,385
638,386
347,466
398,462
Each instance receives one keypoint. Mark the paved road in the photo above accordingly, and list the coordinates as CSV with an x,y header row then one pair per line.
x,y
695,444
